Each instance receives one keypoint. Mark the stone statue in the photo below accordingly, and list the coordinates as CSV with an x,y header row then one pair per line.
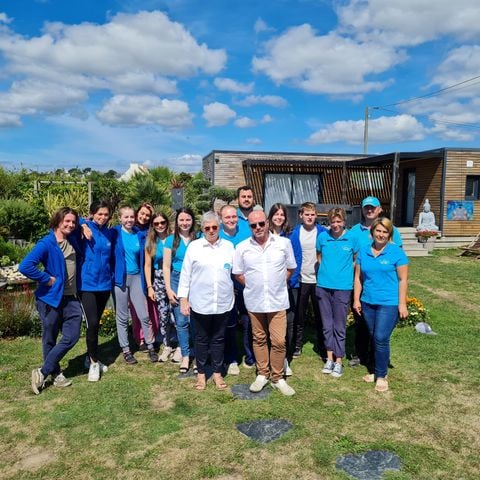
x,y
426,221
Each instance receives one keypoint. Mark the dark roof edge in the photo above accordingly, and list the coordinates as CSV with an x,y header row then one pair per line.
x,y
308,154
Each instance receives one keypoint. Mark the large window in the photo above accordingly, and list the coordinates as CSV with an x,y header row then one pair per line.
x,y
291,189
472,187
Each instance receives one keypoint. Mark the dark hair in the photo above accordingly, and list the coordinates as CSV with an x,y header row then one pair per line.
x,y
273,210
59,215
245,187
151,243
149,208
176,231
97,205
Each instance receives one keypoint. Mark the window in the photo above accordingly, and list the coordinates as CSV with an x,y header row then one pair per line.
x,y
291,189
472,187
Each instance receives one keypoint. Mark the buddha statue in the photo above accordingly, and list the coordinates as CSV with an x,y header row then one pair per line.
x,y
426,220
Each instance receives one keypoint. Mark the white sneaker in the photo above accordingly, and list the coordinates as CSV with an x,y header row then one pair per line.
x,y
61,381
166,354
286,369
86,364
233,369
337,371
328,367
94,372
258,384
177,355
38,380
283,387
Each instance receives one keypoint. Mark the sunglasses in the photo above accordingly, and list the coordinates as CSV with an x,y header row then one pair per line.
x,y
161,223
253,226
213,228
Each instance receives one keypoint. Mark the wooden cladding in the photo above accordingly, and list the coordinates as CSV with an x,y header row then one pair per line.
x,y
341,184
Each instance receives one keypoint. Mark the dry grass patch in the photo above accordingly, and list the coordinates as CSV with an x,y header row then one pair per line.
x,y
162,399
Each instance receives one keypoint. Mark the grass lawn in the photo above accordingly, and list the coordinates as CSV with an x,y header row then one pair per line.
x,y
142,422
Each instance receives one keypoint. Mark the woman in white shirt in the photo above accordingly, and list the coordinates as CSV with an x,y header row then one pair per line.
x,y
206,294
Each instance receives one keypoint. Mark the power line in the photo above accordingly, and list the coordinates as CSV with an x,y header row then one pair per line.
x,y
433,94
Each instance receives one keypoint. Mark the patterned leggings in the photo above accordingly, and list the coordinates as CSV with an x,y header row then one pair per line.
x,y
165,314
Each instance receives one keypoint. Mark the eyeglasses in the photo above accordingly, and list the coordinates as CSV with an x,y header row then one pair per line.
x,y
253,226
161,223
213,228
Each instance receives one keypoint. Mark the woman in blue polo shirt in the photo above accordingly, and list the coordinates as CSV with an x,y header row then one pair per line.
x,y
380,293
335,252
173,254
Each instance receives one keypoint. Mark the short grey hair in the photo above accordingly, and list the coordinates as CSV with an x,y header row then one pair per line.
x,y
208,217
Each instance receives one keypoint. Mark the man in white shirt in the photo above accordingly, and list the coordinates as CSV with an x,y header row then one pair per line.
x,y
263,263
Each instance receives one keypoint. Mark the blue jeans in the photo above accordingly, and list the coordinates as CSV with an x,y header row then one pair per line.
x,y
381,320
181,321
66,318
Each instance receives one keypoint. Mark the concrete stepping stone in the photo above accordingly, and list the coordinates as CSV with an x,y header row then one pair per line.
x,y
370,465
242,392
264,431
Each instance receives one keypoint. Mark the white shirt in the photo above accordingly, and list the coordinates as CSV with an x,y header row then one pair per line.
x,y
205,279
308,242
265,272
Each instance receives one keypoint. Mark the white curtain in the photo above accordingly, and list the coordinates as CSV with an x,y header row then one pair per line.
x,y
278,188
305,188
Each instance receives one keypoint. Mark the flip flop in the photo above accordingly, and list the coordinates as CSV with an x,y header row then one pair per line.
x,y
381,385
201,384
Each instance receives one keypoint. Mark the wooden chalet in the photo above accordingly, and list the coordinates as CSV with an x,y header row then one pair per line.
x,y
401,180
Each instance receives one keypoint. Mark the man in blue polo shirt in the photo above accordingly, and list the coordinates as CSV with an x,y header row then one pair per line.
x,y
371,210
230,230
245,207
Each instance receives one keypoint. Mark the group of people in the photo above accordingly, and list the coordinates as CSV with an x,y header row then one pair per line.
x,y
190,290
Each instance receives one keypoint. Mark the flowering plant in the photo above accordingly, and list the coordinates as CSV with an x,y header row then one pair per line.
x,y
424,234
417,312
108,325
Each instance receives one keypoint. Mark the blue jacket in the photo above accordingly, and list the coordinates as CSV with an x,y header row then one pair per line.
x,y
120,271
98,264
294,237
48,253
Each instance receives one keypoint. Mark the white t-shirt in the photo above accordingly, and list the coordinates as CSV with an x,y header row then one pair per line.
x,y
308,241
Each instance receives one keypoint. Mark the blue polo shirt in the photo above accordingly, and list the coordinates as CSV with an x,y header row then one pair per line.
x,y
158,259
177,259
336,266
364,238
243,226
379,274
131,244
238,237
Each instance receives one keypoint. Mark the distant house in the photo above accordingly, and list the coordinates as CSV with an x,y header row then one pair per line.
x,y
132,170
402,181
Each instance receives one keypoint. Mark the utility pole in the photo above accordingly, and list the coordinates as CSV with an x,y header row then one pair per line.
x,y
365,132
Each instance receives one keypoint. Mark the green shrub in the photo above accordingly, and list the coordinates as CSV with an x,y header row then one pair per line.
x,y
10,253
20,219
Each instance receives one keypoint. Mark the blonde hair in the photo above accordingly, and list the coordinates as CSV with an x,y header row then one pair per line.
x,y
337,212
386,223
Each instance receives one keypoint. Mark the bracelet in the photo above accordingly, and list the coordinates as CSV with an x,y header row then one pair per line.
x,y
149,286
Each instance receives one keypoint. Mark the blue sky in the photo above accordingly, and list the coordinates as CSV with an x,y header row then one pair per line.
x,y
103,84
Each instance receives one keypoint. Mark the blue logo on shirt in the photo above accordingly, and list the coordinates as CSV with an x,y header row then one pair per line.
x,y
227,266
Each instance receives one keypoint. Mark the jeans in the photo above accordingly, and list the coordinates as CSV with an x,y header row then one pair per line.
x,y
66,318
231,350
381,320
209,337
181,321
246,326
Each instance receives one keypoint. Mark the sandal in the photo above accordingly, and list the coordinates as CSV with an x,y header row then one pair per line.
x,y
369,378
195,370
381,385
184,367
201,382
219,382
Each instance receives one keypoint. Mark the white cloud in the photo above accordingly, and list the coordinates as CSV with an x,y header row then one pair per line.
x,y
266,118
400,128
4,18
30,97
8,120
232,86
253,141
130,54
329,64
452,134
131,110
261,26
245,122
409,22
217,114
186,163
271,100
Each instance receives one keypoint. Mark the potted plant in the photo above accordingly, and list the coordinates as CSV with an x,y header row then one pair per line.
x,y
427,237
